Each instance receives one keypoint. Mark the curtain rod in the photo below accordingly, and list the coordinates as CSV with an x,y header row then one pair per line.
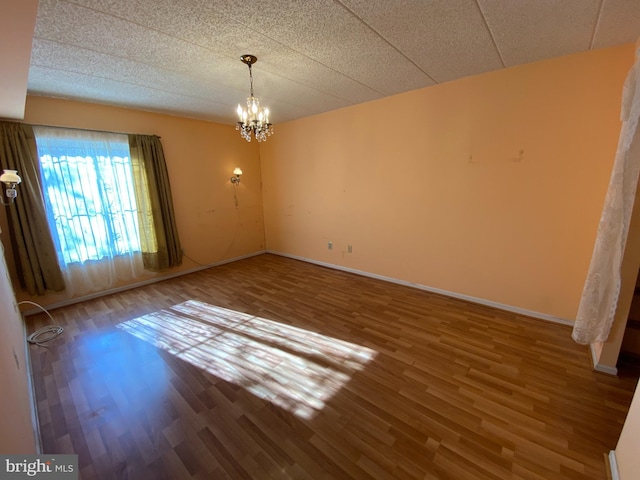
x,y
90,130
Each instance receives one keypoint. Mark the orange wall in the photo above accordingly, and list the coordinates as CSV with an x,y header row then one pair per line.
x,y
200,159
489,186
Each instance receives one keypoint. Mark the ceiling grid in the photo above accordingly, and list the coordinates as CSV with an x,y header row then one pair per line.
x,y
182,57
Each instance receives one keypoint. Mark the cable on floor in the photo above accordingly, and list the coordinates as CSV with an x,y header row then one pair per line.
x,y
46,333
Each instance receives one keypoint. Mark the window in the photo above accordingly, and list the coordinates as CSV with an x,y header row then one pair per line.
x,y
89,193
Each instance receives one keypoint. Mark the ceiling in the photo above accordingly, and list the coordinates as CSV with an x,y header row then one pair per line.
x,y
182,57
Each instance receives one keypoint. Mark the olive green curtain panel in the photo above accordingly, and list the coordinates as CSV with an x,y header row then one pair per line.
x,y
158,231
34,251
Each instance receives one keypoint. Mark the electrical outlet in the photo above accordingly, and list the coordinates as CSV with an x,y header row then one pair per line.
x,y
349,249
330,245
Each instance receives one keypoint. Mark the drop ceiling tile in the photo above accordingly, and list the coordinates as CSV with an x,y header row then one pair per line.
x,y
211,26
75,86
528,31
87,62
433,33
329,34
191,20
280,61
70,24
619,23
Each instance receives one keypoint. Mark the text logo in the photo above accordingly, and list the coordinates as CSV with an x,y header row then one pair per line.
x,y
50,467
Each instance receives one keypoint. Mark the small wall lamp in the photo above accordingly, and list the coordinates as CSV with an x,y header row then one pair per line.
x,y
10,178
236,179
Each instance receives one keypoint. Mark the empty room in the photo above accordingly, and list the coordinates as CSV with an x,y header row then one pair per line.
x,y
323,239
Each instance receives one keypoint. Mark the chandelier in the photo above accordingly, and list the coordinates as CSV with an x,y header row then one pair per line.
x,y
255,119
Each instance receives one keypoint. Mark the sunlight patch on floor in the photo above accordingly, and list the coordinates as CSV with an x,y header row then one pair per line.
x,y
295,369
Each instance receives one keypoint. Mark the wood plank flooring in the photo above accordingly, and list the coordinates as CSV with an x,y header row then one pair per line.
x,y
271,368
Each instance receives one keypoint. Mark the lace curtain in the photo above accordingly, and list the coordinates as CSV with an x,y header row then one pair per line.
x,y
91,208
602,286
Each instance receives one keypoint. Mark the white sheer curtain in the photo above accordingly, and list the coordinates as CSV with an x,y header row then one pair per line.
x,y
602,286
91,209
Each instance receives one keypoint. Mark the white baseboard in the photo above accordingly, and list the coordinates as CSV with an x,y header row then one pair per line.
x,y
92,296
613,465
35,420
599,367
480,301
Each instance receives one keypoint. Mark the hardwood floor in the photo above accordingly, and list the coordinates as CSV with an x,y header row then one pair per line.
x,y
270,368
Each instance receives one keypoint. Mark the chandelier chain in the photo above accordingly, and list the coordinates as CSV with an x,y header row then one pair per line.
x,y
251,79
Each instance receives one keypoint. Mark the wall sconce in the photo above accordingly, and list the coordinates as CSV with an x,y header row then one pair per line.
x,y
10,178
237,172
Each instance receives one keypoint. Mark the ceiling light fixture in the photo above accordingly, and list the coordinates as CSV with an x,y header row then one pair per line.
x,y
254,119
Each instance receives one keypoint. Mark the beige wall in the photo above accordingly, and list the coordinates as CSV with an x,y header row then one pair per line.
x,y
627,451
16,428
17,22
200,159
489,186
